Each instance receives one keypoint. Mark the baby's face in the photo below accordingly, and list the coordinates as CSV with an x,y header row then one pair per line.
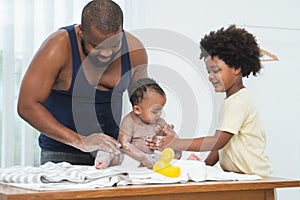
x,y
151,107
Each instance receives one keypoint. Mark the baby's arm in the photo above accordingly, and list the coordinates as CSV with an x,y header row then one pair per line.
x,y
159,126
125,138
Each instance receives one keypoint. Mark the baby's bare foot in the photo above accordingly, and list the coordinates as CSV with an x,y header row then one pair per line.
x,y
193,157
102,160
99,164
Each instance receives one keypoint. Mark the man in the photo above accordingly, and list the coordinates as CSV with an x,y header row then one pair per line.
x,y
72,90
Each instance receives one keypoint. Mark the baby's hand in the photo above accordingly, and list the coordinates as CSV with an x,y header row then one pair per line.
x,y
160,143
193,157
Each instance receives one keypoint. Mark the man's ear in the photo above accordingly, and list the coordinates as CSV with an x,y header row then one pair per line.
x,y
80,30
137,110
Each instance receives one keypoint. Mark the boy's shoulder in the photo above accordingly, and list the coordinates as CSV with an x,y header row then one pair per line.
x,y
240,95
241,99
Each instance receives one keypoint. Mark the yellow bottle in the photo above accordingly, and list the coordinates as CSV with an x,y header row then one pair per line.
x,y
164,167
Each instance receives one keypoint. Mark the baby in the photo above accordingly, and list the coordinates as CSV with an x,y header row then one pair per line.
x,y
147,99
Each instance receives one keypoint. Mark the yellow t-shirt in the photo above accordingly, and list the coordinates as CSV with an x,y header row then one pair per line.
x,y
245,152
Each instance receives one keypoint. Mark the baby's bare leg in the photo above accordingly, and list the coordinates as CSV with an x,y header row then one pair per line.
x,y
117,158
103,159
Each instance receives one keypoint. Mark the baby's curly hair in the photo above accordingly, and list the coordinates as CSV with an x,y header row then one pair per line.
x,y
139,88
235,46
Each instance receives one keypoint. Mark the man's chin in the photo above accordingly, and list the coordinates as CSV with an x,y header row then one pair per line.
x,y
101,62
104,60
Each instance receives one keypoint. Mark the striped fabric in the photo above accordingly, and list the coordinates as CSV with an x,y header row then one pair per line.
x,y
54,173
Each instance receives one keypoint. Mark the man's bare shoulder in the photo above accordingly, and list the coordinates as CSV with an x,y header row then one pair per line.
x,y
53,60
138,56
58,40
133,42
55,50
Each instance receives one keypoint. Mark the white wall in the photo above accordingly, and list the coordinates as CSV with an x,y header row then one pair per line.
x,y
276,90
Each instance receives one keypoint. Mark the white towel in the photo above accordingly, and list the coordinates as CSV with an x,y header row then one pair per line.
x,y
198,171
64,176
191,170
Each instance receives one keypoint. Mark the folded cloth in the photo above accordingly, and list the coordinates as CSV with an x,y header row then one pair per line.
x,y
51,176
64,176
54,173
64,185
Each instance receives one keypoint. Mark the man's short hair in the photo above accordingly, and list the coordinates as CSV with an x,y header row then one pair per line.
x,y
105,15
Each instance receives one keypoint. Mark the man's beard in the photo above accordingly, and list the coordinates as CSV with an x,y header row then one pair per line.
x,y
94,59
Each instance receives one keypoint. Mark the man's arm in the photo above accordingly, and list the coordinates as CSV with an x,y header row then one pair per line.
x,y
48,70
36,86
138,57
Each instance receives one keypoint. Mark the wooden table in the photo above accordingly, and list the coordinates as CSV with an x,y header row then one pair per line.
x,y
210,190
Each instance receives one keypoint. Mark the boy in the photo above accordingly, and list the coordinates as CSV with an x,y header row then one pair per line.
x,y
239,141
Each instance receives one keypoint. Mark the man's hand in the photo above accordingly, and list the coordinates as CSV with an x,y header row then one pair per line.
x,y
98,141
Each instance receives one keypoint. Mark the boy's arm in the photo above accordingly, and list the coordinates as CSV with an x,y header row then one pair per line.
x,y
208,143
212,158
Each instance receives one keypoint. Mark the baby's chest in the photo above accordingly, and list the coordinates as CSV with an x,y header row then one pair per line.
x,y
143,132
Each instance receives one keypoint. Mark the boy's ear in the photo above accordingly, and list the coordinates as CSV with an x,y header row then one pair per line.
x,y
237,71
137,110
